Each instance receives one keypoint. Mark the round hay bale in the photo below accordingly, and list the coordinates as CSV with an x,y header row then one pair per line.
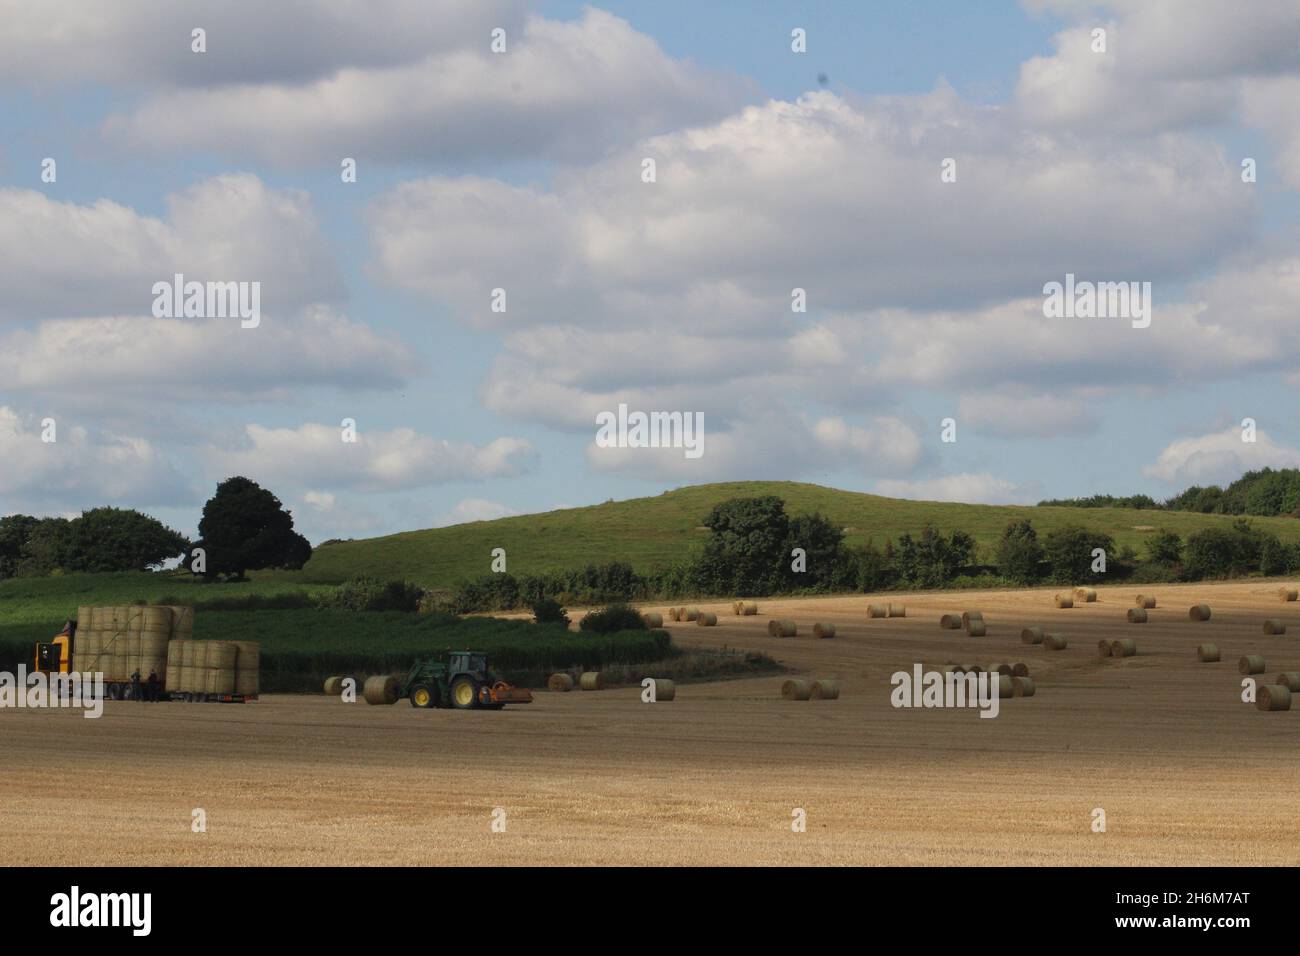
x,y
1032,635
706,619
1004,669
1137,615
560,682
750,608
823,630
1064,600
664,689
690,613
653,619
1054,642
824,690
878,610
1274,626
1126,647
958,668
592,680
976,629
796,690
1006,686
782,629
897,610
1273,697
1022,686
333,686
674,614
738,608
1086,595
380,690
1290,680
950,622
1019,669
1199,612
1145,601
1288,594
1251,664
1103,648
968,616
1207,653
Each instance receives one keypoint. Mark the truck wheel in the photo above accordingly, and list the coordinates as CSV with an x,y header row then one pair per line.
x,y
464,693
423,696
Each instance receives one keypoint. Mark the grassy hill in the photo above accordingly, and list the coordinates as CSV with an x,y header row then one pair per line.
x,y
665,529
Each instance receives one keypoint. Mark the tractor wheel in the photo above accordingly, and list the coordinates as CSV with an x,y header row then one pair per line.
x,y
424,696
464,693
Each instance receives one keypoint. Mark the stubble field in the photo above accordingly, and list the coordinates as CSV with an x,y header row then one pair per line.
x,y
1185,772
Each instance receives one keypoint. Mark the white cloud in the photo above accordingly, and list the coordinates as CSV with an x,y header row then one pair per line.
x,y
1169,63
1218,458
315,456
475,509
981,488
100,361
562,89
146,43
64,259
82,466
774,446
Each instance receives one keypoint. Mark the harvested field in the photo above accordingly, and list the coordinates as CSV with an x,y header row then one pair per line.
x,y
1163,743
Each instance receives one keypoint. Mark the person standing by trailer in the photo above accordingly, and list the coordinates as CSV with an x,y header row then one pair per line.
x,y
151,691
135,686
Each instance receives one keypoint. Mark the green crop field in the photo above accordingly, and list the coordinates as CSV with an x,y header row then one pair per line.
x,y
663,530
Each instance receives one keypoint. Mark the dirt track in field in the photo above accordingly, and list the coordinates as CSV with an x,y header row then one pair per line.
x,y
1186,772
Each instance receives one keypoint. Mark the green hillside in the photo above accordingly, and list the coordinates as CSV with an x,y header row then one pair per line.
x,y
663,530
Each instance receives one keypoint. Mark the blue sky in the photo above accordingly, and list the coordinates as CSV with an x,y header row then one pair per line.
x,y
776,169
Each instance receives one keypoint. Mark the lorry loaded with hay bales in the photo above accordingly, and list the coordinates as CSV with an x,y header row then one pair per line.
x,y
146,652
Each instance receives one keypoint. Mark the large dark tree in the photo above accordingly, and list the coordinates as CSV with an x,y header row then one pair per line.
x,y
14,532
118,539
245,528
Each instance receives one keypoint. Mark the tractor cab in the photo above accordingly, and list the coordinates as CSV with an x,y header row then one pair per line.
x,y
467,662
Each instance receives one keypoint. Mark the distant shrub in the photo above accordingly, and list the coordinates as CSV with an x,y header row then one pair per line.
x,y
1224,552
609,620
370,594
548,611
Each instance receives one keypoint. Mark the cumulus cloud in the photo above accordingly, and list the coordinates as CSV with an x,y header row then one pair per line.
x,y
98,361
475,509
65,259
564,89
776,446
145,43
1219,458
315,456
677,294
1168,63
82,465
975,488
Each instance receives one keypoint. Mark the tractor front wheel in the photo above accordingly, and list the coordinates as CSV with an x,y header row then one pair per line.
x,y
422,695
464,693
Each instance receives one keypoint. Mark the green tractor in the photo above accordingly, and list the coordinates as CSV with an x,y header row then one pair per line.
x,y
463,681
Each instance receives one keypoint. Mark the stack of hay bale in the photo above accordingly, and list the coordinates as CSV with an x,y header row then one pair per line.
x,y
121,640
221,668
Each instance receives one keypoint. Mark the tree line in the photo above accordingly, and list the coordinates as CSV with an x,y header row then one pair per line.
x,y
1266,493
244,527
756,548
